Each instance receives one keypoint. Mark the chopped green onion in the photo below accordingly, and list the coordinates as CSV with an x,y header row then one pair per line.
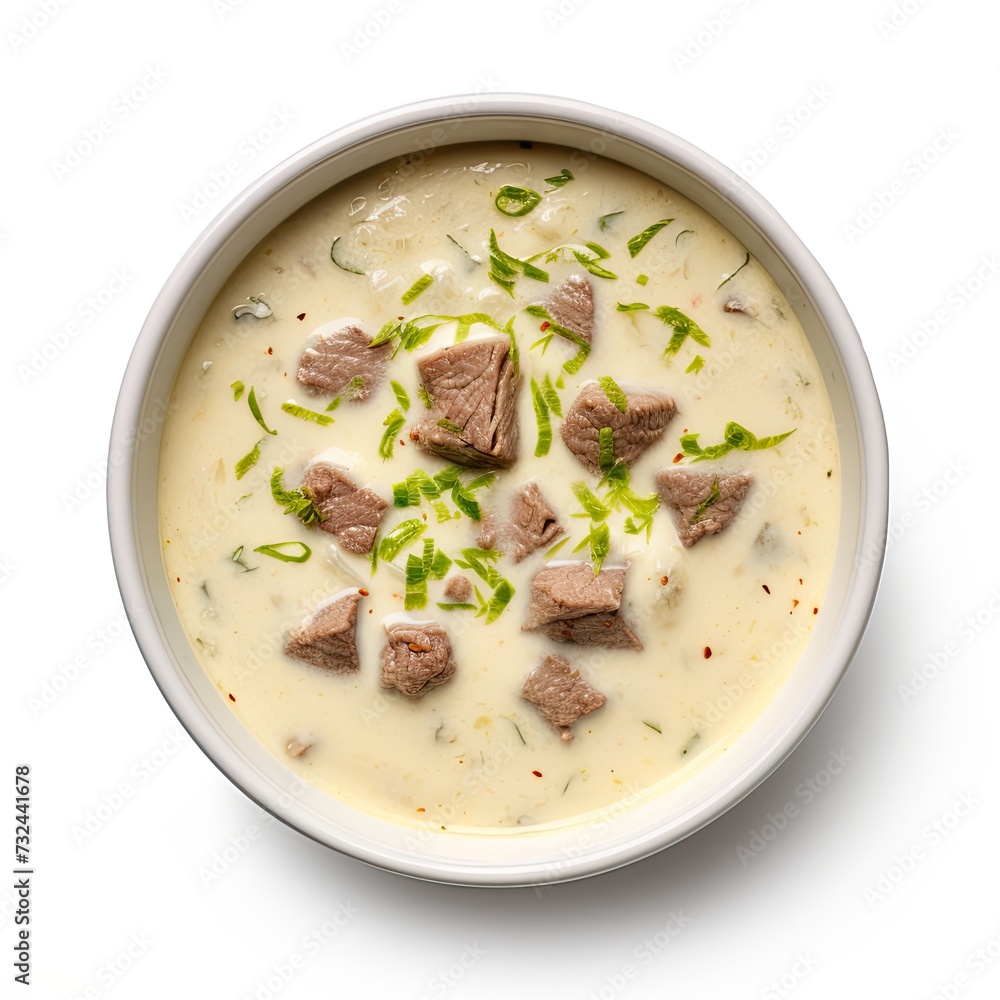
x,y
614,393
450,426
334,403
516,201
653,726
400,536
737,271
563,177
296,502
402,398
542,419
425,396
248,461
638,242
602,222
237,557
255,410
309,415
276,551
736,437
709,501
606,446
683,326
237,388
697,363
393,424
628,307
421,284
641,279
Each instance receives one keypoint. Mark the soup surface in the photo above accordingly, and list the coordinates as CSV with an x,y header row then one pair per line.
x,y
584,276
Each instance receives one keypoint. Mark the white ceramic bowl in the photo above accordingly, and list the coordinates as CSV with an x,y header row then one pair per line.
x,y
629,833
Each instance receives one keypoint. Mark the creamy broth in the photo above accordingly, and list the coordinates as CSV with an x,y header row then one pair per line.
x,y
721,623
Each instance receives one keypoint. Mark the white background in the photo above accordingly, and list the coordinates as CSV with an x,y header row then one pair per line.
x,y
883,885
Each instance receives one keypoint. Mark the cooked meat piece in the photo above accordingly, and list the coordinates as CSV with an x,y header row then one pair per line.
x,y
473,388
697,512
735,304
458,589
605,629
338,356
327,637
350,514
530,524
416,658
571,305
645,418
570,590
560,694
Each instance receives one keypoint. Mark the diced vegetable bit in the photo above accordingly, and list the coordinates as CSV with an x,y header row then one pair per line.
x,y
237,388
737,271
736,437
636,243
255,410
248,461
642,279
516,201
559,180
420,285
293,552
295,502
393,424
311,416
254,306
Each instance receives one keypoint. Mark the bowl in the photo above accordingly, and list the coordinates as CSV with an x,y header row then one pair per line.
x,y
624,833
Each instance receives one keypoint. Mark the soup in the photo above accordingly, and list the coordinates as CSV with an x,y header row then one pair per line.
x,y
498,489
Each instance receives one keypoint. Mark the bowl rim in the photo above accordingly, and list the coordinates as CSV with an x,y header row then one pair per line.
x,y
134,401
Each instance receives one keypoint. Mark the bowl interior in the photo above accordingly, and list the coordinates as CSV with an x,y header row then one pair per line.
x,y
624,834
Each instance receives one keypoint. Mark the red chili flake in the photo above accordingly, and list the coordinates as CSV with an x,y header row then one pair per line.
x,y
800,581
708,652
795,602
270,350
231,698
301,316
815,611
696,300
767,589
178,579
402,443
363,592
400,318
537,774
545,326
664,580
421,810
678,458
371,611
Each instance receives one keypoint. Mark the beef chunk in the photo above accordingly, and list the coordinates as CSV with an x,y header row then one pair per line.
x,y
605,629
530,524
569,604
703,502
473,389
646,416
571,305
458,589
350,514
416,658
560,694
327,637
341,355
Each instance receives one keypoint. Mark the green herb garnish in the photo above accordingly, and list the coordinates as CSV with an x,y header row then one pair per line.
x,y
683,327
504,268
627,307
419,484
638,242
641,279
736,437
333,404
248,461
309,415
420,285
737,271
237,388
653,726
393,425
425,396
697,363
296,502
479,561
401,395
606,450
237,557
599,540
681,233
414,333
709,501
602,222
516,201
400,536
560,179
432,564
255,410
276,551
614,393
450,426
